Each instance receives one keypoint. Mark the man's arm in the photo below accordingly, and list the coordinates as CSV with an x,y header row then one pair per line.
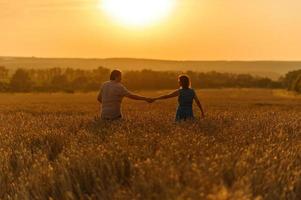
x,y
171,95
139,98
126,93
199,105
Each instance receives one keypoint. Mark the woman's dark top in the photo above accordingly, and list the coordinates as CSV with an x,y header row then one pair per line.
x,y
185,99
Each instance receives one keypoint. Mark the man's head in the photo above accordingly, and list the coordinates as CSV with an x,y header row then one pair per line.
x,y
116,75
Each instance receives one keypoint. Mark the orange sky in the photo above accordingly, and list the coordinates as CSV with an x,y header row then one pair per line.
x,y
196,29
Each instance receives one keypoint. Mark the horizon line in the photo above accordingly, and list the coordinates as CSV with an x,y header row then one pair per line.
x,y
155,59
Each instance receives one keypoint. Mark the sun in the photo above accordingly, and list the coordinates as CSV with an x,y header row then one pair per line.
x,y
137,12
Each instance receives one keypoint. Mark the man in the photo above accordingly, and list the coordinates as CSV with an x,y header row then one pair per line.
x,y
111,94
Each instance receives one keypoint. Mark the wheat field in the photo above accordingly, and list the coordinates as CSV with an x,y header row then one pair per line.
x,y
248,147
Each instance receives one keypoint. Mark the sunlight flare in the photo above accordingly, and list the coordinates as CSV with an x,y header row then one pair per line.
x,y
137,12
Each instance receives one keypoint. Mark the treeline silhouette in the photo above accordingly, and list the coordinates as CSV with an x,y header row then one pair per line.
x,y
72,80
292,81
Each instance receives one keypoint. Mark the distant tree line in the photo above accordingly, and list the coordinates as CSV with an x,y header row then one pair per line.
x,y
292,81
52,80
72,80
148,79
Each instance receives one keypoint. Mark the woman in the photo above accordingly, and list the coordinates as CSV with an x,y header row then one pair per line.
x,y
185,95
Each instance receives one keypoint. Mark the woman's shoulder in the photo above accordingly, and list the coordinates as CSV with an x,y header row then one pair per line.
x,y
190,89
186,90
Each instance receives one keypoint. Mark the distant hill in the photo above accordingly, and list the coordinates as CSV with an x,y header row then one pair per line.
x,y
271,69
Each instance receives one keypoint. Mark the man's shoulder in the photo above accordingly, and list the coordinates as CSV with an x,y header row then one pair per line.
x,y
120,85
106,82
113,84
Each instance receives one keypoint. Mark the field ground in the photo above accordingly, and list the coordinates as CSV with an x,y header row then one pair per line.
x,y
248,147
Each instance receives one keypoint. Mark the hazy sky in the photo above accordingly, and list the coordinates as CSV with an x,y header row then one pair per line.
x,y
195,29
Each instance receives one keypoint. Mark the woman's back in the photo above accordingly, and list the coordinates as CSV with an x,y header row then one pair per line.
x,y
186,97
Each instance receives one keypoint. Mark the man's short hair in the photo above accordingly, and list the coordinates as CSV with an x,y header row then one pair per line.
x,y
115,74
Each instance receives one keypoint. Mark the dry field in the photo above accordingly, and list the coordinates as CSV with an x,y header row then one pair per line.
x,y
248,147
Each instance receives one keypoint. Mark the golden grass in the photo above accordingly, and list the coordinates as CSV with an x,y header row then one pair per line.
x,y
248,147
287,94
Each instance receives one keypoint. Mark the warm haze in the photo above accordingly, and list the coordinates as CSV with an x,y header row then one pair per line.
x,y
181,29
150,99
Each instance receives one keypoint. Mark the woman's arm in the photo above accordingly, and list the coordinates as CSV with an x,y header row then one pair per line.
x,y
199,105
171,95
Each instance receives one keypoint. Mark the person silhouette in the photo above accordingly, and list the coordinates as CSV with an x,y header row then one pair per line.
x,y
186,96
111,95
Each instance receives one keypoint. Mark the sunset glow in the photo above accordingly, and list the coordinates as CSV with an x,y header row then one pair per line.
x,y
159,29
137,12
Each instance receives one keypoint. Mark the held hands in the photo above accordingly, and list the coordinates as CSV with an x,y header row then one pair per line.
x,y
150,100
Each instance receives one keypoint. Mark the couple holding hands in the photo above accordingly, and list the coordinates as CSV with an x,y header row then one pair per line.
x,y
112,92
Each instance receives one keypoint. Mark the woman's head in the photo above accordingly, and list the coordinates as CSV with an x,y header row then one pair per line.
x,y
184,81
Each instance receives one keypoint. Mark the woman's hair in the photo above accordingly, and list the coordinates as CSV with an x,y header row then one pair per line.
x,y
115,74
184,81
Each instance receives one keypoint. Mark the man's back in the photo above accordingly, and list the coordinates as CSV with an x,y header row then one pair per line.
x,y
112,94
